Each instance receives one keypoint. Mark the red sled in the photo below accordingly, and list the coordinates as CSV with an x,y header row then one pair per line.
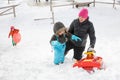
x,y
90,62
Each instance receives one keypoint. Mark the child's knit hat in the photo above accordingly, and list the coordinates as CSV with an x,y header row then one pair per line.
x,y
12,27
58,26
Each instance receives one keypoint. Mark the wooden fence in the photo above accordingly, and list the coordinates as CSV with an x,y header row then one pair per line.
x,y
8,9
73,3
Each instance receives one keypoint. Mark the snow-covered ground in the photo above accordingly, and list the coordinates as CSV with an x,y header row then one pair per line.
x,y
32,58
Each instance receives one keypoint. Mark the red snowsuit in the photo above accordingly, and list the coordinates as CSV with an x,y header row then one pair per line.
x,y
11,33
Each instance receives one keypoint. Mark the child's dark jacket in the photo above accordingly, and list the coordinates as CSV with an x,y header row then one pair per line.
x,y
63,38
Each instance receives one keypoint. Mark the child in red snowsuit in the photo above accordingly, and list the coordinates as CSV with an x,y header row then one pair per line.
x,y
11,33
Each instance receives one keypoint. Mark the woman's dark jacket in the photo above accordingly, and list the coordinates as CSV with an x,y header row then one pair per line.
x,y
82,30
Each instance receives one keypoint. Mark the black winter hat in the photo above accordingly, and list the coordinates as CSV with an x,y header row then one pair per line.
x,y
58,26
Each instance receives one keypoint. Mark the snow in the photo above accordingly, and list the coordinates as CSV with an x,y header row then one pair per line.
x,y
32,58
